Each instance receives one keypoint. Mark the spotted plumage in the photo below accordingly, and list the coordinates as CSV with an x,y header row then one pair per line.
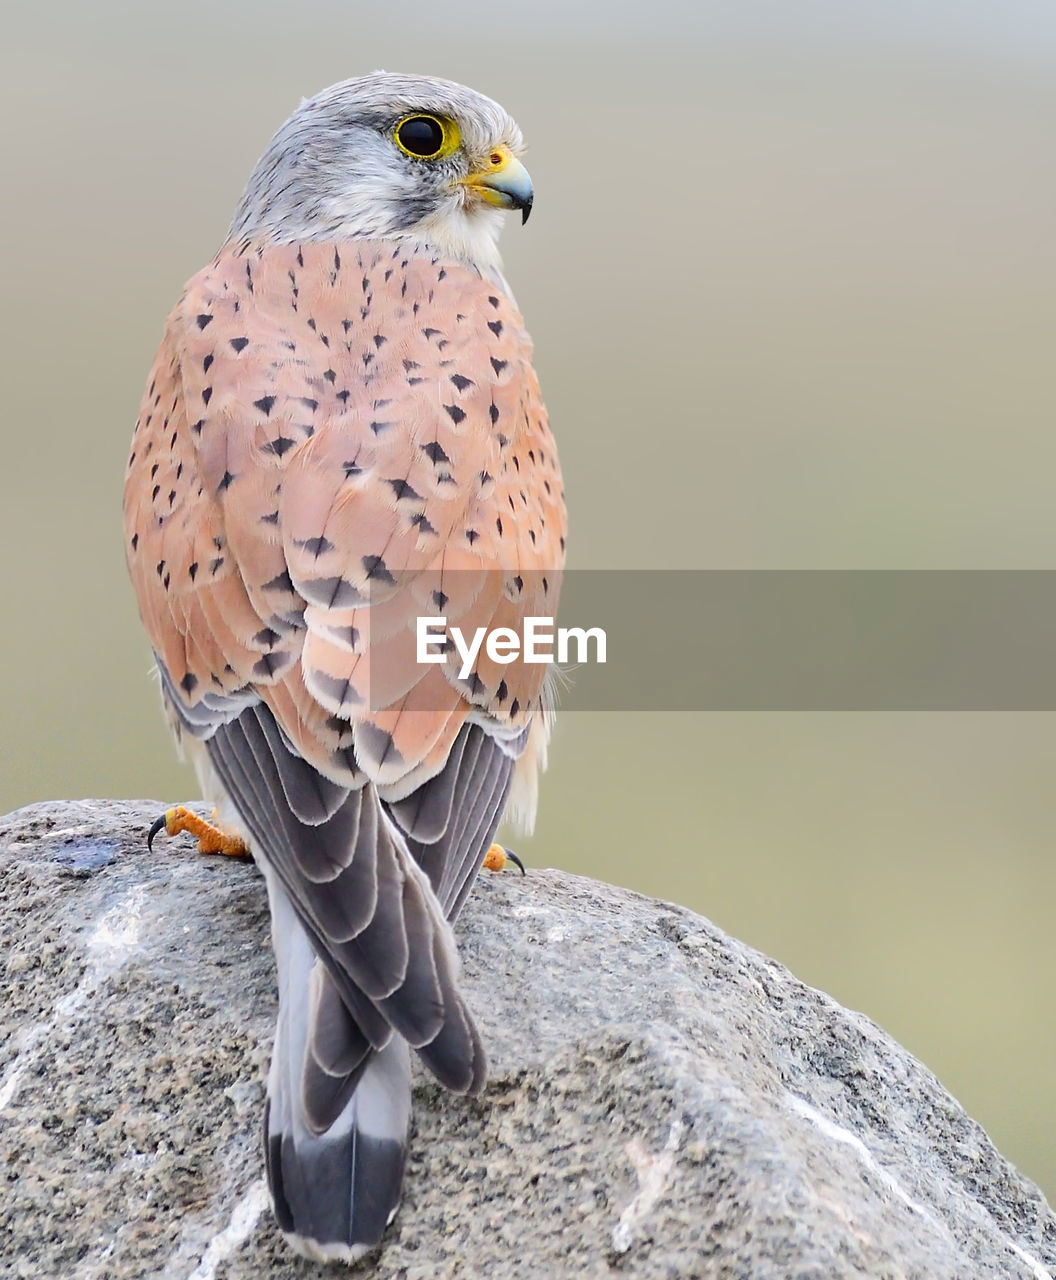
x,y
342,432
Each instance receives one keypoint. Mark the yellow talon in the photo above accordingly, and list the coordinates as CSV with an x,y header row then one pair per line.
x,y
497,858
210,838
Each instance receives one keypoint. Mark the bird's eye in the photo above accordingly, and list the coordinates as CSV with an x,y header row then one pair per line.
x,y
427,137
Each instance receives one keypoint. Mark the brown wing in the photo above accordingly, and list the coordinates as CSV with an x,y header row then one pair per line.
x,y
324,422
336,438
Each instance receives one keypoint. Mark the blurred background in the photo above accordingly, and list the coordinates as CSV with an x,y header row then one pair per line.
x,y
796,261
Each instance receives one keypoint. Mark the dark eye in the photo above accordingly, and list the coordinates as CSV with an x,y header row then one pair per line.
x,y
424,137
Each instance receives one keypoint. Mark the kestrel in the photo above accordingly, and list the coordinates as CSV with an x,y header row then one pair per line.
x,y
343,432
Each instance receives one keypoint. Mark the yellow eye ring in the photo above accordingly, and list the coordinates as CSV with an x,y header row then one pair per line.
x,y
426,137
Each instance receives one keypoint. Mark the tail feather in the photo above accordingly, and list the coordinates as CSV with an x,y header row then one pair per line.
x,y
334,1189
337,1047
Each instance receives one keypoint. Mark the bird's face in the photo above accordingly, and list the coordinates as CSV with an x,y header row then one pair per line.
x,y
389,156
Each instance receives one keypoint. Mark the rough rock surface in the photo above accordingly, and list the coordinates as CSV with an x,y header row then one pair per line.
x,y
663,1101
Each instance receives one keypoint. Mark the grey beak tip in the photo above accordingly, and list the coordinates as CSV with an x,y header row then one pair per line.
x,y
526,210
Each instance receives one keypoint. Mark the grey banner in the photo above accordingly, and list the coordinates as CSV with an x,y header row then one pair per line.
x,y
781,640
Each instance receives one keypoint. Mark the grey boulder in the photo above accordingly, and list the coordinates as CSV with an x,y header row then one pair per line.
x,y
663,1101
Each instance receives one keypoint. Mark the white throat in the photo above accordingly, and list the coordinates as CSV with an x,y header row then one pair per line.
x,y
468,234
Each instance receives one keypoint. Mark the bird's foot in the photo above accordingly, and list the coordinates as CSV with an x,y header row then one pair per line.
x,y
498,859
210,838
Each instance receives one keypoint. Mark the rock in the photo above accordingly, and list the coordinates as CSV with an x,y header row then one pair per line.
x,y
663,1101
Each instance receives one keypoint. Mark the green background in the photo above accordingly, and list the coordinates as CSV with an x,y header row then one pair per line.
x,y
791,277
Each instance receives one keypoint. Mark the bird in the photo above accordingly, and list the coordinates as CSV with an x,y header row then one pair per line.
x,y
343,433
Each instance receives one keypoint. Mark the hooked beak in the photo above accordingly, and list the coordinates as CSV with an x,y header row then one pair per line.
x,y
503,182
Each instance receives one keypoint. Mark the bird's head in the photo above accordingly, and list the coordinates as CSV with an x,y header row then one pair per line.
x,y
390,156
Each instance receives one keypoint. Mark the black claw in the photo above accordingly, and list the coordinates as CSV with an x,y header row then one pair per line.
x,y
514,859
153,832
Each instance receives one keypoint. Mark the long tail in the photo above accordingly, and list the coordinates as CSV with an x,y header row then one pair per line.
x,y
338,1113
